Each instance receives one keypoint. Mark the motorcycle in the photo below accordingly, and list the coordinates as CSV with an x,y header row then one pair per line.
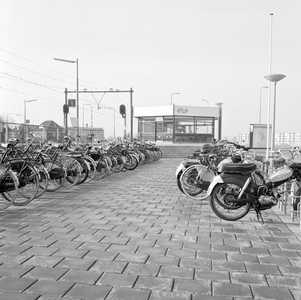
x,y
240,188
195,174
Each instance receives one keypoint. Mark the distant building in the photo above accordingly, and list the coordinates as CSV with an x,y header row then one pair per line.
x,y
178,123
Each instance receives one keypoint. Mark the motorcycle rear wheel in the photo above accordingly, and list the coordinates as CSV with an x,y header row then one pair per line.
x,y
223,200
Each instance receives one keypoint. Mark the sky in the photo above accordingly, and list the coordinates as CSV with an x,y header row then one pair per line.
x,y
217,50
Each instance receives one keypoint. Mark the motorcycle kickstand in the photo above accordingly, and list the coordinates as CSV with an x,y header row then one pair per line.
x,y
259,216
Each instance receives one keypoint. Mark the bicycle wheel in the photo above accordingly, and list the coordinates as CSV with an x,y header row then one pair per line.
x,y
43,180
92,167
73,172
57,175
119,163
102,169
84,170
28,184
195,181
8,187
131,162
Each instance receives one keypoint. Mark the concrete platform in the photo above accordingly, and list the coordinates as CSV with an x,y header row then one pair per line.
x,y
133,236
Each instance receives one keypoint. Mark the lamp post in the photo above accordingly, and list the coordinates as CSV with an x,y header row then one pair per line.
x,y
263,87
274,78
25,127
77,86
206,101
172,95
219,105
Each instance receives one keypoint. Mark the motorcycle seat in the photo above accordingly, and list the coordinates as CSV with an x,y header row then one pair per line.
x,y
296,166
239,168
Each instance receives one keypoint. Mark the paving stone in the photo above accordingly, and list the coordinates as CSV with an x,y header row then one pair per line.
x,y
212,275
231,289
274,260
290,271
195,263
164,260
262,269
124,293
250,279
15,284
14,270
193,286
175,295
7,295
43,261
176,272
88,292
80,276
182,253
108,266
142,269
198,296
280,281
154,283
45,273
215,255
75,263
243,257
50,287
74,253
274,293
126,280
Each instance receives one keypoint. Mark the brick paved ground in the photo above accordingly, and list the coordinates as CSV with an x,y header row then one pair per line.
x,y
133,236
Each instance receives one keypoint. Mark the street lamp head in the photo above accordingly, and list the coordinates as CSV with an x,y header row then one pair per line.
x,y
66,60
275,77
219,104
30,100
206,101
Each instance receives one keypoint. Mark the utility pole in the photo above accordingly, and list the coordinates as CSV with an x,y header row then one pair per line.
x,y
104,92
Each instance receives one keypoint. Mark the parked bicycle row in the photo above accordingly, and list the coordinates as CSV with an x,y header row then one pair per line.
x,y
29,170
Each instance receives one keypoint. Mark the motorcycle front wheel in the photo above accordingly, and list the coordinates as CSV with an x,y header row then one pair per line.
x,y
224,203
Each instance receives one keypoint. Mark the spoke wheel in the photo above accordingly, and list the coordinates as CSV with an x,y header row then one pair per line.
x,y
8,187
28,185
73,172
224,201
43,180
102,169
92,167
57,175
195,181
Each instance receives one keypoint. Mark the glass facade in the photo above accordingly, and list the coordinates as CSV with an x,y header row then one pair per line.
x,y
178,129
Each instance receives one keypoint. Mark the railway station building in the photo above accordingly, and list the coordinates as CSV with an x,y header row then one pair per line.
x,y
179,123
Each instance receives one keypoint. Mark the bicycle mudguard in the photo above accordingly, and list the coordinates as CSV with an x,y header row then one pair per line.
x,y
217,179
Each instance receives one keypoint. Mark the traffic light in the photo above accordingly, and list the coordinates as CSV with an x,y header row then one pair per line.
x,y
122,110
65,109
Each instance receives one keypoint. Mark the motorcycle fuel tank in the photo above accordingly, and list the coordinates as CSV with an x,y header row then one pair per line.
x,y
281,174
